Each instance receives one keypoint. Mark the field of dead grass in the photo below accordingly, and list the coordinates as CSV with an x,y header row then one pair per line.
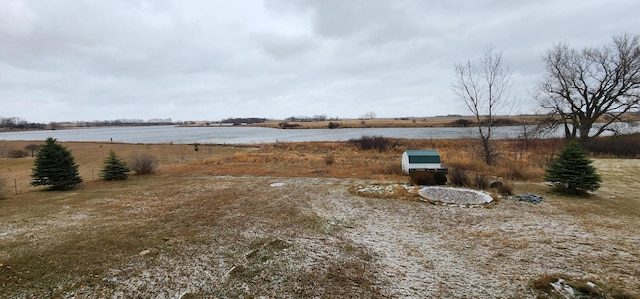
x,y
279,220
410,122
413,122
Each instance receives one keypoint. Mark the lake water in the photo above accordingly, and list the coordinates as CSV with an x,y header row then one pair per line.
x,y
242,135
254,135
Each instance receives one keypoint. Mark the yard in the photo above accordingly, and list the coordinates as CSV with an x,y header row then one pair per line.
x,y
283,221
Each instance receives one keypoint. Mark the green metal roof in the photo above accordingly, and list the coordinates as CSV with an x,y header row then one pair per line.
x,y
423,156
422,153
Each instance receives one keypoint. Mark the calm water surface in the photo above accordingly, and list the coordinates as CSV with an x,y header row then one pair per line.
x,y
242,135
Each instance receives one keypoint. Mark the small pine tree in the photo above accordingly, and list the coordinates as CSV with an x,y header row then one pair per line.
x,y
572,171
114,168
54,167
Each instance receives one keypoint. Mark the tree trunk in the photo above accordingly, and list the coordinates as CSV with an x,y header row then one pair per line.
x,y
567,131
584,132
488,152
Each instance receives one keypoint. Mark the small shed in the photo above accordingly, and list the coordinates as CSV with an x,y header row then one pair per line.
x,y
422,160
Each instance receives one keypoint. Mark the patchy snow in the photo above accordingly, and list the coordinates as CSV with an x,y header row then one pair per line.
x,y
410,249
424,250
412,260
563,288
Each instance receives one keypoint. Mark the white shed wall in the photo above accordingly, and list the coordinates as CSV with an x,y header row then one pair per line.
x,y
406,166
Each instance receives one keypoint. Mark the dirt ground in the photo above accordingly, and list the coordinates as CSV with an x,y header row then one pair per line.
x,y
277,237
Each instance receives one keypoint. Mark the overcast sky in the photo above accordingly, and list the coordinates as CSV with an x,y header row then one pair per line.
x,y
72,60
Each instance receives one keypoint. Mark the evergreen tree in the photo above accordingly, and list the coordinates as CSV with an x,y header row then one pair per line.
x,y
55,167
114,168
572,171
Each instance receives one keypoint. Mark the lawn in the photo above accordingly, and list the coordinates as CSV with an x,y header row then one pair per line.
x,y
279,220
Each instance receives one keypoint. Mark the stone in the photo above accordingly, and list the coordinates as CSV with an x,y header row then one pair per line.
x,y
527,197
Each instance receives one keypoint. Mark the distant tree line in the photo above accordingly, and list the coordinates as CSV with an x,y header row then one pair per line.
x,y
19,123
367,115
243,120
123,122
322,117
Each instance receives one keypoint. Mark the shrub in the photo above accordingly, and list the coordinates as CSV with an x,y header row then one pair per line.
x,y
143,163
480,181
372,142
505,189
504,122
461,122
622,146
333,125
422,178
114,168
440,177
286,125
572,171
459,177
17,154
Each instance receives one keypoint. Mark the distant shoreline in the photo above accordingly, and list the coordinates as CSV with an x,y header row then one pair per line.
x,y
450,121
404,122
453,121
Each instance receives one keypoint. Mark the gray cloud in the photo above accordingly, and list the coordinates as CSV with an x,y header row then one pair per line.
x,y
207,60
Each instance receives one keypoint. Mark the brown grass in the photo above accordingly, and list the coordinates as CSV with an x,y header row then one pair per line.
x,y
582,288
209,223
408,122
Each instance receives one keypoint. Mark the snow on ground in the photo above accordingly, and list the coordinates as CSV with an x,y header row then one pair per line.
x,y
424,250
413,260
418,250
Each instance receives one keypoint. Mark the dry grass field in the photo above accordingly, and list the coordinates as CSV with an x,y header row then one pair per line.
x,y
413,122
281,221
407,122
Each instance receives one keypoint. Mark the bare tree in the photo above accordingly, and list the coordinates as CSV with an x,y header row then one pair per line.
x,y
368,115
585,86
485,88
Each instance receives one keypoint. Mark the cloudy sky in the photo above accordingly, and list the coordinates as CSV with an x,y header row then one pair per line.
x,y
73,60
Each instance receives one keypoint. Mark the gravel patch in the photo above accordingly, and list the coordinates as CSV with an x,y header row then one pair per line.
x,y
527,197
455,196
